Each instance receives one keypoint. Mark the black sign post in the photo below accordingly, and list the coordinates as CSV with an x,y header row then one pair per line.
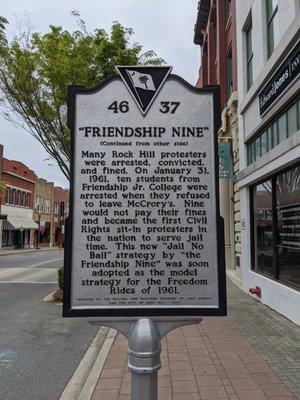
x,y
144,241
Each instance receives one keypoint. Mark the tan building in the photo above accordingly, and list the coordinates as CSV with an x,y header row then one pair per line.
x,y
43,211
60,213
229,191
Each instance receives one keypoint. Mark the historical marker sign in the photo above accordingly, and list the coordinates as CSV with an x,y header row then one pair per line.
x,y
145,236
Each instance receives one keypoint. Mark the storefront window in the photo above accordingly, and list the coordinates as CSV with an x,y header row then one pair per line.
x,y
292,120
288,215
275,134
263,143
270,138
263,236
253,151
276,227
257,148
282,128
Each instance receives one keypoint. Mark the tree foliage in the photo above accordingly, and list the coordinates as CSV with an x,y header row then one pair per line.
x,y
36,70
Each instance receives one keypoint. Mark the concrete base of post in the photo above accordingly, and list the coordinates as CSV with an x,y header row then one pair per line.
x,y
144,347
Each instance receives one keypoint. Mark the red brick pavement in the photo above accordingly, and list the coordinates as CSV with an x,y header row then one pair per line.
x,y
209,361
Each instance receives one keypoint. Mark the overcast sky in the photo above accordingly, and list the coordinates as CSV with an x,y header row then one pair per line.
x,y
167,27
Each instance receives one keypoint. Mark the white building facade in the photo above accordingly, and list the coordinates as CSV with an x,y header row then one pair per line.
x,y
268,47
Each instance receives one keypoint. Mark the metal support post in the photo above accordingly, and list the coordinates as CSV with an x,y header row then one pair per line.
x,y
22,238
144,348
38,233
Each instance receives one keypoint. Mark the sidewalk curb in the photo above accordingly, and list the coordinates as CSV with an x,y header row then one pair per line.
x,y
49,297
91,382
82,384
30,251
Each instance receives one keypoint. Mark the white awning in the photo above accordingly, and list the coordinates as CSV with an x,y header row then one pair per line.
x,y
22,222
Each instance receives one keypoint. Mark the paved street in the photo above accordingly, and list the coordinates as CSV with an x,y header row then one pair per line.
x,y
39,351
38,267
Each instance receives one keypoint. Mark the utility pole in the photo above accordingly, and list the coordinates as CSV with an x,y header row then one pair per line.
x,y
38,232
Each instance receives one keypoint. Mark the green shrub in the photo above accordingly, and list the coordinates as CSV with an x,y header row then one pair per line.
x,y
60,276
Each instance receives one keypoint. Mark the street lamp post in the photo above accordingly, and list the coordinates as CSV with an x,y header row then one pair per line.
x,y
38,233
22,241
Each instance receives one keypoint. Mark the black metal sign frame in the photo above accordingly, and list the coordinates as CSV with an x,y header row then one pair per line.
x,y
156,310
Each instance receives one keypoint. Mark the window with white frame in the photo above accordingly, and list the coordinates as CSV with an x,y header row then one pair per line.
x,y
17,197
47,206
37,205
272,25
249,51
56,208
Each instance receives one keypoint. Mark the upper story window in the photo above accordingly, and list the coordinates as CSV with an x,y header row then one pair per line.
x,y
249,53
39,204
56,208
204,64
227,9
47,206
272,25
17,197
229,74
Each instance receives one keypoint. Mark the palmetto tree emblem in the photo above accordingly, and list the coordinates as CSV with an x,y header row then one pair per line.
x,y
144,79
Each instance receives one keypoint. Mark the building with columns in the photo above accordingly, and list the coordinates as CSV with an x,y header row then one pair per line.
x,y
60,213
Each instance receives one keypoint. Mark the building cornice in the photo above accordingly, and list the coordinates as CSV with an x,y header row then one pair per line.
x,y
269,163
201,22
18,176
282,101
17,188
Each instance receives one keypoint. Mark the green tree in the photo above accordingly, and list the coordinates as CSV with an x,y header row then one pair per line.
x,y
36,70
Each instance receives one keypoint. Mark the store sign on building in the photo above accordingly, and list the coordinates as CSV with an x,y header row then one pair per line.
x,y
225,160
288,71
144,235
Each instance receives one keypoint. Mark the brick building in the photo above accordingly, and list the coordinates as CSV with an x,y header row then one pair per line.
x,y
60,213
215,32
16,200
43,211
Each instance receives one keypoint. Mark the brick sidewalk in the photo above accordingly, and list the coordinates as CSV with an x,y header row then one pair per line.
x,y
272,335
251,354
210,361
